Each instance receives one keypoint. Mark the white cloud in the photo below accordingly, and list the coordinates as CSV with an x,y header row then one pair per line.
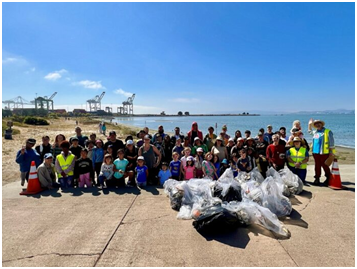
x,y
9,60
122,92
55,75
186,100
90,84
31,70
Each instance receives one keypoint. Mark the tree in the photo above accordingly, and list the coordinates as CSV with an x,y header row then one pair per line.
x,y
163,113
243,113
180,113
187,113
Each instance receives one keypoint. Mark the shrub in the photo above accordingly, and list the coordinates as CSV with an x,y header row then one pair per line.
x,y
35,121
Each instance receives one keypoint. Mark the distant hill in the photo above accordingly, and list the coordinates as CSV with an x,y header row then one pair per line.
x,y
270,112
335,111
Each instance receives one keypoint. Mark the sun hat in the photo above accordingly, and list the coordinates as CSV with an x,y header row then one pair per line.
x,y
48,155
269,126
296,139
130,142
219,138
317,121
231,139
199,150
141,158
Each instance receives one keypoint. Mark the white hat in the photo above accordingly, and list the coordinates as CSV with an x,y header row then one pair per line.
x,y
199,150
130,142
141,158
231,139
196,138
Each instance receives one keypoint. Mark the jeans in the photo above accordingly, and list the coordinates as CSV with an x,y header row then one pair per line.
x,y
301,173
66,182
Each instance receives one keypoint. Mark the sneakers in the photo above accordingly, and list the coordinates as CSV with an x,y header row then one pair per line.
x,y
316,182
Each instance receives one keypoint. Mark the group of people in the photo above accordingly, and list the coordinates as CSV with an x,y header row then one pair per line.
x,y
152,159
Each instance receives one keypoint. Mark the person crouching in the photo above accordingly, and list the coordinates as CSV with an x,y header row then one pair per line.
x,y
83,170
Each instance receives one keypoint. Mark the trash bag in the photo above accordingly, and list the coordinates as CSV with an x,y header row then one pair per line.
x,y
249,212
251,191
185,212
215,219
293,182
242,177
273,198
227,190
175,192
280,183
227,174
256,175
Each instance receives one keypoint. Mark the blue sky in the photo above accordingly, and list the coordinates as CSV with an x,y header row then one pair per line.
x,y
197,57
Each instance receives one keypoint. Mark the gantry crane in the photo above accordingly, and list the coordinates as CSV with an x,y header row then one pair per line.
x,y
17,102
44,102
95,103
128,106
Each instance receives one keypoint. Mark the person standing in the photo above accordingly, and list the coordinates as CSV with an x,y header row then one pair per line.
x,y
260,154
193,133
224,135
323,147
276,154
297,159
116,144
81,138
160,132
269,134
176,135
24,158
210,138
45,147
149,151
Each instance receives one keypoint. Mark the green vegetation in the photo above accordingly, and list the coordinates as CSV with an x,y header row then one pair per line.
x,y
35,121
4,127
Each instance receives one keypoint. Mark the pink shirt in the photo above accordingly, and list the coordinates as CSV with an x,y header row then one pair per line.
x,y
189,172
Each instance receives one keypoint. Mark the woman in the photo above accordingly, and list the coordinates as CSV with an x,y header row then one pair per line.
x,y
149,151
186,142
297,159
237,135
194,133
56,149
166,149
219,149
198,144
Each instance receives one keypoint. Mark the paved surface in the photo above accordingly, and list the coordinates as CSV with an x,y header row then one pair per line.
x,y
118,228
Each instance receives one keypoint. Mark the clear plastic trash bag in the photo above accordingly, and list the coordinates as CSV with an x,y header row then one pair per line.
x,y
173,189
283,188
227,189
293,182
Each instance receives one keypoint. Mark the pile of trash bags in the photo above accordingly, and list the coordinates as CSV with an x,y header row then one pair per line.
x,y
231,202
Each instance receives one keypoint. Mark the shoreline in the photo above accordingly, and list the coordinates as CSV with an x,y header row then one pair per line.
x,y
175,115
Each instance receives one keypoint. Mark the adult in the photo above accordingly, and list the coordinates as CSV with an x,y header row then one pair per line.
x,y
65,166
229,147
46,173
100,127
160,132
116,144
224,135
210,138
297,159
198,144
247,134
131,154
236,149
24,158
283,135
140,135
193,133
260,154
149,152
166,150
323,147
219,149
186,142
275,154
176,135
81,138
269,134
56,149
104,128
146,130
237,134
45,147
93,138
249,143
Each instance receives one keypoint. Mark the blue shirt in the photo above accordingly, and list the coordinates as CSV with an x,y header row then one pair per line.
x,y
25,160
164,175
98,155
141,173
317,141
120,165
175,168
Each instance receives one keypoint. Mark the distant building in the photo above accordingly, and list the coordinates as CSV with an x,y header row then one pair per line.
x,y
79,111
59,111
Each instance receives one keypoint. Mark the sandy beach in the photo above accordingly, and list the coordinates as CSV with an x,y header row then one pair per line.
x,y
10,169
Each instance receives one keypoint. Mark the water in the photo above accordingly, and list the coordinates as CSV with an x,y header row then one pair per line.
x,y
342,125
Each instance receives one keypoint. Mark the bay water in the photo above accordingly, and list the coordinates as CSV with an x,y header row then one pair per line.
x,y
342,125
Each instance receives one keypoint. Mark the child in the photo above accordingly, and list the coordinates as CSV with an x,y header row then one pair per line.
x,y
234,164
217,165
83,170
97,157
209,171
297,125
251,154
187,152
120,165
198,163
142,172
175,166
244,162
76,149
106,170
224,166
190,170
164,173
178,147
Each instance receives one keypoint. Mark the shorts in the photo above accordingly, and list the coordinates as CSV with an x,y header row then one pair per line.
x,y
141,184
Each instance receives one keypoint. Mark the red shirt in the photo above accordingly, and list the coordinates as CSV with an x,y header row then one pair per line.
x,y
276,154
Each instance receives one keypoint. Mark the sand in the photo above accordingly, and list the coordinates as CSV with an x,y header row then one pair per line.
x,y
10,169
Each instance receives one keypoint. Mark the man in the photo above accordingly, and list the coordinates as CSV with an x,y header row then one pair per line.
x,y
247,134
140,141
224,134
24,158
275,154
261,150
297,159
65,166
160,132
237,148
81,138
46,173
269,134
176,135
323,147
210,138
44,148
75,148
116,144
283,136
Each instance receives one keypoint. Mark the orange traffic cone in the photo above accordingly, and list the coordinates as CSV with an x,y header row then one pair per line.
x,y
335,179
33,185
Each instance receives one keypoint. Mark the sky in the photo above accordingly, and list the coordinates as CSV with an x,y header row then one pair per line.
x,y
196,57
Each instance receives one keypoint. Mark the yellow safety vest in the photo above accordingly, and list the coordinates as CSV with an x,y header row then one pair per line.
x,y
298,156
325,148
65,163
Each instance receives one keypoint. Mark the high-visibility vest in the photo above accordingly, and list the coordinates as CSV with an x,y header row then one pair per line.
x,y
325,146
65,163
298,156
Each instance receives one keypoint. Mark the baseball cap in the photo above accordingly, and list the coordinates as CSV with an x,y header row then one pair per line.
x,y
31,141
269,126
141,158
190,158
147,137
199,150
130,142
225,161
231,139
112,132
196,138
260,133
48,155
74,138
